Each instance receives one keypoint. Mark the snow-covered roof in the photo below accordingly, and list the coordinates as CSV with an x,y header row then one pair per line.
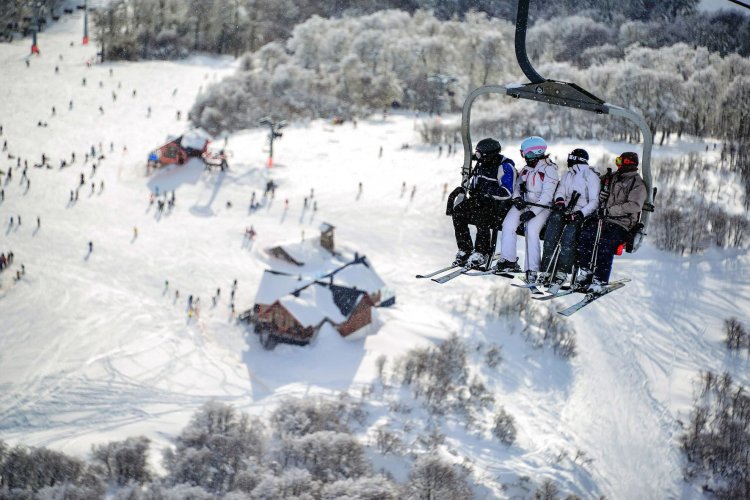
x,y
274,285
195,139
360,276
308,253
345,298
314,304
324,226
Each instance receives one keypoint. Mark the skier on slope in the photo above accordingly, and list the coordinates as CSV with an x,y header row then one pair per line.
x,y
533,191
621,201
562,226
490,187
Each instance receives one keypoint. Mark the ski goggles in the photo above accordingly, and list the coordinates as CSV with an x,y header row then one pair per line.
x,y
620,161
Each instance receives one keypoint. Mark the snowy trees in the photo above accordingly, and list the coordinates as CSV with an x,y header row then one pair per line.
x,y
716,441
24,470
504,427
736,335
222,452
216,445
356,65
436,374
696,216
432,478
352,66
125,461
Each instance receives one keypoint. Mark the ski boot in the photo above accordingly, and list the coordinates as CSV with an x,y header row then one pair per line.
x,y
506,266
542,279
596,286
460,259
557,282
477,260
583,279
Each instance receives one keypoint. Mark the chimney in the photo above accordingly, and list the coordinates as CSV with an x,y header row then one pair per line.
x,y
326,236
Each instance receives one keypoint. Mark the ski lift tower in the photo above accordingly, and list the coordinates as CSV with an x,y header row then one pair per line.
x,y
86,23
442,83
273,133
37,7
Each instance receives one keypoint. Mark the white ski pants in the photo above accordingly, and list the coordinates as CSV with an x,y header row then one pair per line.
x,y
533,245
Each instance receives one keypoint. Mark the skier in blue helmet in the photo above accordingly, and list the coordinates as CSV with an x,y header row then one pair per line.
x,y
484,205
533,192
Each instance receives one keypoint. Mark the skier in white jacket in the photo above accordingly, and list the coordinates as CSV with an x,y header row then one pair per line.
x,y
564,222
533,191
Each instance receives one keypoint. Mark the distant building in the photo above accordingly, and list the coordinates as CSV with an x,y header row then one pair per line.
x,y
280,253
326,236
299,255
288,309
177,151
339,290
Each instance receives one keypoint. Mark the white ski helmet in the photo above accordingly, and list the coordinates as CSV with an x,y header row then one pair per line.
x,y
533,148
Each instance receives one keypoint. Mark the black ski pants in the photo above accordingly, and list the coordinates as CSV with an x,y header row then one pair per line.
x,y
557,230
611,237
485,213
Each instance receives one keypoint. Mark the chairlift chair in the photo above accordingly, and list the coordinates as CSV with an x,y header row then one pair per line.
x,y
557,93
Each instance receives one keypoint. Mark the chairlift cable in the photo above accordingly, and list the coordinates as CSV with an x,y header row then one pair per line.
x,y
741,4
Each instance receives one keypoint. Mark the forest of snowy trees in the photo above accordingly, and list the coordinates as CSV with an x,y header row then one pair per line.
x,y
132,29
306,450
340,446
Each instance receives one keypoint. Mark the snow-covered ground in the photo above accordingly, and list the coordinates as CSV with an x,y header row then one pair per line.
x,y
95,347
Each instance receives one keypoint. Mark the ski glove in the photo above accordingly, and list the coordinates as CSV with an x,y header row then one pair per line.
x,y
527,216
576,216
559,205
519,203
602,212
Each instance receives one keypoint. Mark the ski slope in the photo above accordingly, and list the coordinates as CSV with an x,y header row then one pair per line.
x,y
96,347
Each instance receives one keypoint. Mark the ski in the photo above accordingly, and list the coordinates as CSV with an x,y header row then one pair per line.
x,y
508,275
468,271
435,273
567,290
589,298
532,287
551,296
447,277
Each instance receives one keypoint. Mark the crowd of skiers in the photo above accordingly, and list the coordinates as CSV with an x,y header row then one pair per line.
x,y
6,260
582,217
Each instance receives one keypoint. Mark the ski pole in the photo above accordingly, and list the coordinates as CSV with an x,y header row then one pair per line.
x,y
558,244
595,253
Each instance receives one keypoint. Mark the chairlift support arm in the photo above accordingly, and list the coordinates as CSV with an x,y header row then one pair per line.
x,y
559,94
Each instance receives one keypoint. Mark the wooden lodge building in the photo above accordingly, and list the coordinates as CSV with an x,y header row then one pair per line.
x,y
292,309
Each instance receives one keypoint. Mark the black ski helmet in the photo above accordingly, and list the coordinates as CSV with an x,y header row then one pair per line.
x,y
488,146
577,156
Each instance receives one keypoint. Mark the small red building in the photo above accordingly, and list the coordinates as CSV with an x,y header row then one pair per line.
x,y
177,151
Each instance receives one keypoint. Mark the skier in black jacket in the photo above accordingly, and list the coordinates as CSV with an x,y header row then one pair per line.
x,y
488,200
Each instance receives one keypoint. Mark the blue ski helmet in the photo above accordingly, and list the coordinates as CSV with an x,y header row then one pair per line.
x,y
533,148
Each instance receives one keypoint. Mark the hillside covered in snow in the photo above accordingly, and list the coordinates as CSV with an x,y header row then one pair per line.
x,y
96,343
